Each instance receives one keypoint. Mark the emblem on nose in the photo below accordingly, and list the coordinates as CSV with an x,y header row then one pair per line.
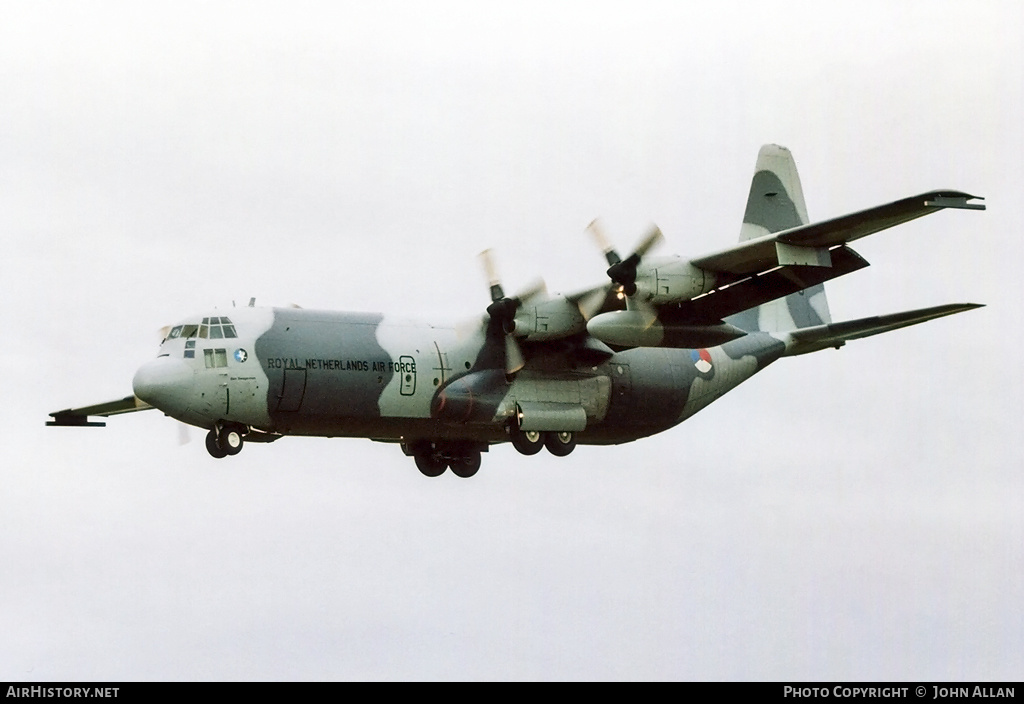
x,y
241,355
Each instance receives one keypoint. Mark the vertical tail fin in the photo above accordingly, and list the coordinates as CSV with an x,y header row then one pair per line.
x,y
776,202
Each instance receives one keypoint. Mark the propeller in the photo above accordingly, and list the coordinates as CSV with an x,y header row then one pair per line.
x,y
623,271
502,313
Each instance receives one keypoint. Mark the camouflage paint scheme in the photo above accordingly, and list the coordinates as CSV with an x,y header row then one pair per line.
x,y
599,375
355,375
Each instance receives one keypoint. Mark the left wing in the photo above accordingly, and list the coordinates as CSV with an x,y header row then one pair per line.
x,y
683,303
80,416
809,245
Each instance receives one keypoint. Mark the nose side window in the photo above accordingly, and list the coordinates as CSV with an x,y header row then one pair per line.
x,y
215,358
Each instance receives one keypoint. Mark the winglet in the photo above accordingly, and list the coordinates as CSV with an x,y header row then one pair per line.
x,y
955,200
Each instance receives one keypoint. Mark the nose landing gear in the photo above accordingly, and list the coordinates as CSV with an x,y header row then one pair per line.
x,y
224,440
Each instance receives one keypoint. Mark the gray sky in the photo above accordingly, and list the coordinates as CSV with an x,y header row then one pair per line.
x,y
845,515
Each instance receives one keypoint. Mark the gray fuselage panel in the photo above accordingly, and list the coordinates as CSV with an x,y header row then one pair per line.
x,y
323,369
331,374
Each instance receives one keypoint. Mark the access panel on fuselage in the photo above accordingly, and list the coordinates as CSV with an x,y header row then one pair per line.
x,y
293,388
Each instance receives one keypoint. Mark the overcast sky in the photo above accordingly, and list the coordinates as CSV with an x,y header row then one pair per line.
x,y
845,515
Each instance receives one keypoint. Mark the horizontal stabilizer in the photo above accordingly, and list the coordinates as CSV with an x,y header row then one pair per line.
x,y
80,416
836,334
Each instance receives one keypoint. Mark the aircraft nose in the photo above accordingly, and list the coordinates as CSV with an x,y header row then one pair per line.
x,y
164,383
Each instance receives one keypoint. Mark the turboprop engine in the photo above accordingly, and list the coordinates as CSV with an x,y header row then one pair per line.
x,y
671,280
642,328
550,319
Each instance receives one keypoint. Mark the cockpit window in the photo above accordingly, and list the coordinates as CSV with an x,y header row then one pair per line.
x,y
217,328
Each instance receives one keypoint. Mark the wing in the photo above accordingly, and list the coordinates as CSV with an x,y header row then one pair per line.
x,y
80,416
686,303
809,245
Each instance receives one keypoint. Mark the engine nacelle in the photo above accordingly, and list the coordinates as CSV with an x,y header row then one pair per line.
x,y
550,319
672,279
631,328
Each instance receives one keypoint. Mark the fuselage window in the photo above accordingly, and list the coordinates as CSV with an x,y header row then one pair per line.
x,y
215,358
190,349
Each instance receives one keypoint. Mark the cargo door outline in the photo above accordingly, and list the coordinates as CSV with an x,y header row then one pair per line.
x,y
293,388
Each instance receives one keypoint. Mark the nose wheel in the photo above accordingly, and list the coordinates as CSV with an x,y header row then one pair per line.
x,y
224,441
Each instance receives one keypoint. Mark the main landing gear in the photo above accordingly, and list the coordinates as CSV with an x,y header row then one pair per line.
x,y
463,458
433,458
224,440
530,442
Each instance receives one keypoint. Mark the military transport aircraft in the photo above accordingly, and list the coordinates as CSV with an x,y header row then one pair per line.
x,y
631,357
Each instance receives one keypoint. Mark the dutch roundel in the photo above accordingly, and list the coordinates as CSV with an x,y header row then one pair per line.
x,y
701,360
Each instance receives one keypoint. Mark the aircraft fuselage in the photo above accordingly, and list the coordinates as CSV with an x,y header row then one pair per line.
x,y
301,372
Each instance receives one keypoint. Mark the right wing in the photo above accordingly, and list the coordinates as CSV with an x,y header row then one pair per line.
x,y
80,416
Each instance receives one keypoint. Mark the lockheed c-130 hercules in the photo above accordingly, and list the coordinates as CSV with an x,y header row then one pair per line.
x,y
631,357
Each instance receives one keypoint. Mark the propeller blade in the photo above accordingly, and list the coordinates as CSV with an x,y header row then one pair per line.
x,y
603,243
184,436
537,288
491,271
514,360
650,240
591,303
